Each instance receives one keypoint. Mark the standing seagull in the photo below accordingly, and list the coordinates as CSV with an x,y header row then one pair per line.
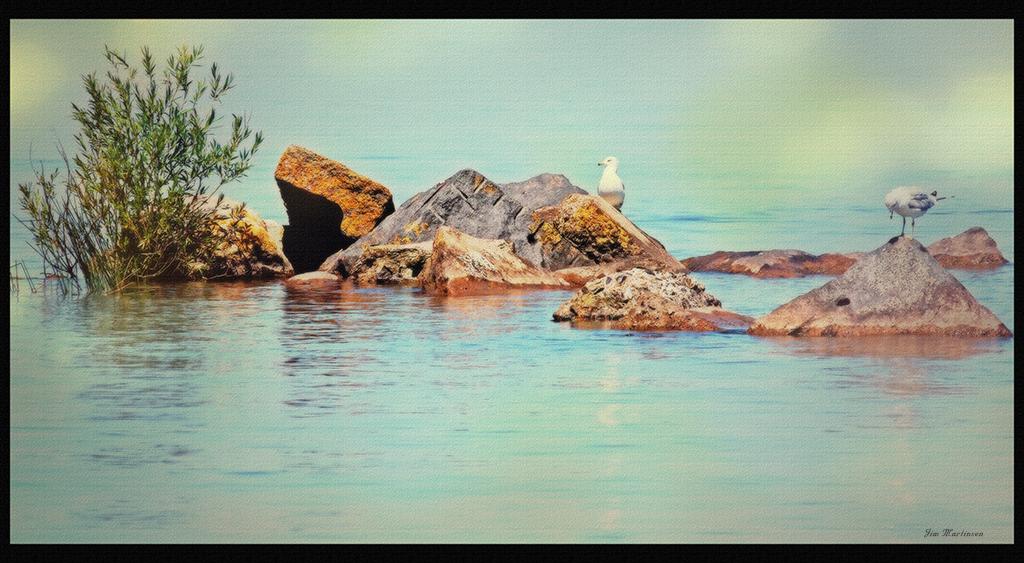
x,y
610,187
911,202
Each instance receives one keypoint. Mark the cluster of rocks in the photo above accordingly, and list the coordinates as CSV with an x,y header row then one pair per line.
x,y
972,249
470,235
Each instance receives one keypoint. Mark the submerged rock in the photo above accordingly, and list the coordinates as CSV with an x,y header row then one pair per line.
x,y
317,279
391,263
585,230
972,249
469,202
896,289
641,299
248,247
772,263
461,264
329,205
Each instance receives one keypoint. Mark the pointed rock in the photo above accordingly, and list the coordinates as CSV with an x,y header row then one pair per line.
x,y
461,264
898,288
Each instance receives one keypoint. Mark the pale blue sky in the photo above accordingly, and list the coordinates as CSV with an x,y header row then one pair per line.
x,y
781,107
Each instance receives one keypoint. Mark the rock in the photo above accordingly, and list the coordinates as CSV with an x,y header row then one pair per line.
x,y
641,299
471,203
391,263
584,230
580,275
772,263
249,247
896,289
329,205
972,249
316,279
461,264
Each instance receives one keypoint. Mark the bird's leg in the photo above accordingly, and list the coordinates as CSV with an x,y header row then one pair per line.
x,y
890,215
903,231
913,221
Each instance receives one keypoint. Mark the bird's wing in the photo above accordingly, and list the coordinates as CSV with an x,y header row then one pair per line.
x,y
920,201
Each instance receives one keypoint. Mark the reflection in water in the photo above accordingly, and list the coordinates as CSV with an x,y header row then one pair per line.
x,y
902,346
259,412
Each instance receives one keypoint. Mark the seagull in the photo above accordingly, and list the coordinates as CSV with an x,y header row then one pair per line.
x,y
910,201
610,187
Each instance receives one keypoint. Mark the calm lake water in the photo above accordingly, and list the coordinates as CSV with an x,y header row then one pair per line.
x,y
252,412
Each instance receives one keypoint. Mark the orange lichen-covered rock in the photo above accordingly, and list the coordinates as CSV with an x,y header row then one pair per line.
x,y
329,205
584,230
247,246
461,264
898,288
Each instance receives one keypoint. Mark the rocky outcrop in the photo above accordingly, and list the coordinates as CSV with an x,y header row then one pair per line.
x,y
391,263
469,202
248,246
314,279
584,230
329,205
972,249
641,299
772,263
898,288
461,264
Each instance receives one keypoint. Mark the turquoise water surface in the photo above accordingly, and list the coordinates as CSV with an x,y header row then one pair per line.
x,y
252,412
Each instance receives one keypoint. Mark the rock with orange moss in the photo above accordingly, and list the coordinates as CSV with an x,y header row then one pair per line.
x,y
329,205
642,299
391,263
898,288
469,202
972,249
247,245
584,230
461,264
772,263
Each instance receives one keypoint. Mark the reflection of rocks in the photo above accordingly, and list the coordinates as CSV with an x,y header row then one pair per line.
x,y
888,347
462,264
972,249
471,203
584,230
897,289
390,263
640,299
772,263
329,205
248,246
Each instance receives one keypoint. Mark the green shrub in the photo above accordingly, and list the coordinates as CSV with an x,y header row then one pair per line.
x,y
130,204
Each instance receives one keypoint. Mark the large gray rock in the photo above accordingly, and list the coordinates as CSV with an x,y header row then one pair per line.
x,y
641,299
470,203
898,288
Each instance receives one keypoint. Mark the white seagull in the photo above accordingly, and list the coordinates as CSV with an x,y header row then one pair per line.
x,y
910,201
610,187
